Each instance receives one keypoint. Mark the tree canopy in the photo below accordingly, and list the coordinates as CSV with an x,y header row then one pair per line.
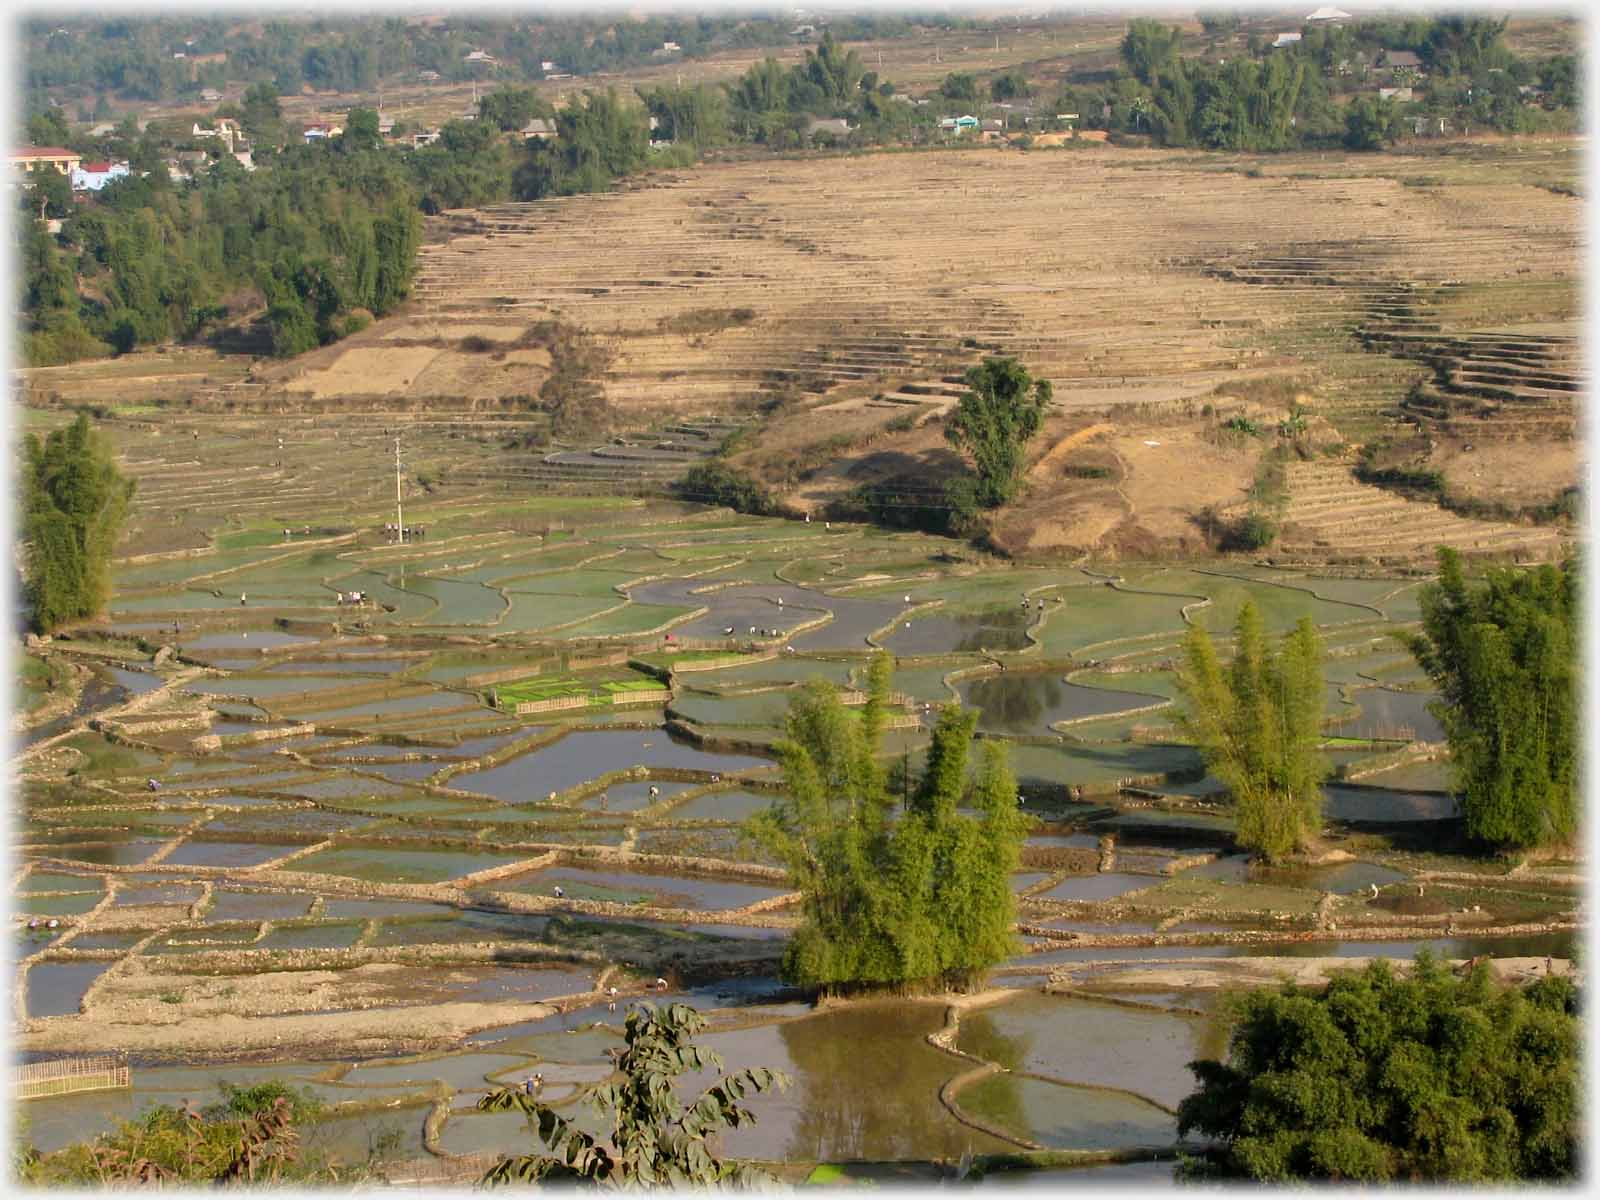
x,y
921,898
994,421
1384,1077
1504,655
1258,723
74,502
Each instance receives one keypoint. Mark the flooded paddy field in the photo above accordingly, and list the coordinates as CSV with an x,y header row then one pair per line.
x,y
354,889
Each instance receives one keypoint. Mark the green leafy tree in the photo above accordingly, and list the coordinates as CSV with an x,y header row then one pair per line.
x,y
994,421
959,86
656,1139
1370,124
922,900
718,483
1505,658
1426,1078
1258,724
74,504
510,108
1149,49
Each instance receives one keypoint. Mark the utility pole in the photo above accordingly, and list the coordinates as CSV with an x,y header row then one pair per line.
x,y
399,516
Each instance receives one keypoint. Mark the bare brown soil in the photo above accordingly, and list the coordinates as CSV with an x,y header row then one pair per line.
x,y
1510,472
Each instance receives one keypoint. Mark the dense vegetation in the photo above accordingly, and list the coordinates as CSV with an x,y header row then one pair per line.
x,y
717,483
656,1139
250,1136
133,58
1258,724
74,501
324,239
918,899
1289,97
1504,655
1383,1078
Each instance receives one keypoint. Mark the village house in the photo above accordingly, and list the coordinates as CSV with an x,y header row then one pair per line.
x,y
1329,14
479,56
226,130
428,76
833,127
1401,95
539,127
211,95
1402,60
961,124
319,132
92,176
39,158
1285,39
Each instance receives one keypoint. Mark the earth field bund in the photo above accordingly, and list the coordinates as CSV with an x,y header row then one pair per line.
x,y
351,855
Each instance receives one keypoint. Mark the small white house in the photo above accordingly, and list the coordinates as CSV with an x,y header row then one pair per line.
x,y
92,176
479,56
1328,13
1285,39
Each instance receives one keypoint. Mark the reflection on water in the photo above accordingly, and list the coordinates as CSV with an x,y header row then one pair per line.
x,y
949,633
1032,702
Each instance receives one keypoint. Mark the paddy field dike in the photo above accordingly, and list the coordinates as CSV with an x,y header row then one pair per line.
x,y
397,849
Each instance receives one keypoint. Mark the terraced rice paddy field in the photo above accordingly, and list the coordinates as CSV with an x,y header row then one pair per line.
x,y
349,864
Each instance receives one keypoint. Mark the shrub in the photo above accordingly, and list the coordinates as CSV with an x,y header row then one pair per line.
x,y
718,483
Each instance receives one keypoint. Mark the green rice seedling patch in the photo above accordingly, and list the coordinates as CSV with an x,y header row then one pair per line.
x,y
321,936
346,787
628,621
533,611
599,581
287,825
408,606
1099,764
1280,607
419,806
458,601
388,864
1212,896
102,757
1092,616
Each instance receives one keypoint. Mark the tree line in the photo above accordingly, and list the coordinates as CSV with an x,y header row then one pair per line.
x,y
1283,98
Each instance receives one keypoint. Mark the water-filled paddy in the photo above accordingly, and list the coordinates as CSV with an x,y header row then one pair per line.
x,y
1032,702
723,806
57,988
257,906
866,1087
955,633
1103,886
582,756
391,864
637,887
1061,1117
224,854
330,936
1375,805
1083,1041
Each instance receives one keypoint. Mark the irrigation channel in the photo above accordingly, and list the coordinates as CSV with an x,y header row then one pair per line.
x,y
396,852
